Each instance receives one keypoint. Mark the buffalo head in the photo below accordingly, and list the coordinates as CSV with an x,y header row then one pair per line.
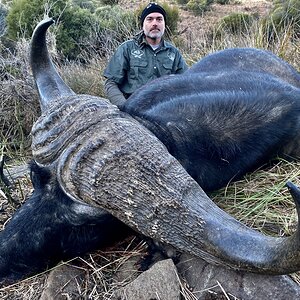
x,y
145,170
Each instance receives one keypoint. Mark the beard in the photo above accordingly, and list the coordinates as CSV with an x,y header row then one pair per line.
x,y
154,34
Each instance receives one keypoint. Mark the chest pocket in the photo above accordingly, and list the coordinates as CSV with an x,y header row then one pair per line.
x,y
167,66
138,67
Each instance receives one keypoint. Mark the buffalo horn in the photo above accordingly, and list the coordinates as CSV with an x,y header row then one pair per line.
x,y
107,159
49,83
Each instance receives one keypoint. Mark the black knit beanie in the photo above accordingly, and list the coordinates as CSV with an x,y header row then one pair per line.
x,y
151,8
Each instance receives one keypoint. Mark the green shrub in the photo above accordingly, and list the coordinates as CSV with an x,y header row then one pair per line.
x,y
172,17
116,19
198,6
25,14
235,23
222,1
74,32
3,14
114,27
182,1
110,2
74,29
91,5
284,16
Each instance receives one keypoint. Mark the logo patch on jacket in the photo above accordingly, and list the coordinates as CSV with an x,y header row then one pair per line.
x,y
171,55
137,53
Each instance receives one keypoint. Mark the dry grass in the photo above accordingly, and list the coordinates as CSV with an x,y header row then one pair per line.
x,y
261,199
197,45
85,79
18,100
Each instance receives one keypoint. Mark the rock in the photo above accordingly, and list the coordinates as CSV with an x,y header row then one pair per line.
x,y
63,283
214,282
160,282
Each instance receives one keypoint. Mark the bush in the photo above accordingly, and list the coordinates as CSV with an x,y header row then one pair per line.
x,y
198,6
116,19
223,2
284,16
235,23
25,14
114,26
182,1
110,2
75,31
91,5
3,14
172,18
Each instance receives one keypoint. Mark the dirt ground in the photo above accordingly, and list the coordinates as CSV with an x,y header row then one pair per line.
x,y
201,24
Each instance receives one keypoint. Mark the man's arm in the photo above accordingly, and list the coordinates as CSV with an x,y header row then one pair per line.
x,y
113,93
115,74
181,66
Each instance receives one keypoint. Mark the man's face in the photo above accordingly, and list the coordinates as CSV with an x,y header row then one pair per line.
x,y
154,26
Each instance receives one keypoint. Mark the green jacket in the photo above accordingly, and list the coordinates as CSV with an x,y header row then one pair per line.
x,y
135,63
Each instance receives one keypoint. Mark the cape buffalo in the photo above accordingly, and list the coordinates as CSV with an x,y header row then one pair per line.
x,y
145,163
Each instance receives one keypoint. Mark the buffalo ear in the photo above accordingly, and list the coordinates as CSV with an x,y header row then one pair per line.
x,y
39,176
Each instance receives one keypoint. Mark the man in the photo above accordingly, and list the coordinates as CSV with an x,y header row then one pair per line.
x,y
145,57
